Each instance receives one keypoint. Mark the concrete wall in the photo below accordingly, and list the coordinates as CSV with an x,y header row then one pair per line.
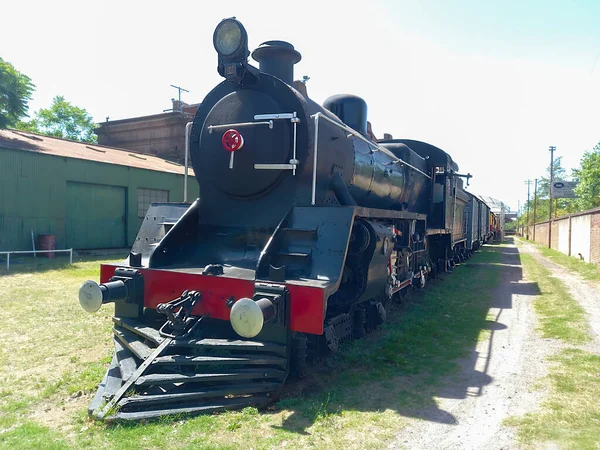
x,y
563,236
577,235
580,237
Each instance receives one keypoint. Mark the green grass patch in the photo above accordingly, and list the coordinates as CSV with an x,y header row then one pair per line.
x,y
32,436
358,398
571,414
560,315
444,321
27,263
588,271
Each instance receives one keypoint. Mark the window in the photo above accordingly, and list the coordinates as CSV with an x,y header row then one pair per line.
x,y
146,196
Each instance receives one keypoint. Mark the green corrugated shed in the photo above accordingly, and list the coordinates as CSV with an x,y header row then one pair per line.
x,y
86,196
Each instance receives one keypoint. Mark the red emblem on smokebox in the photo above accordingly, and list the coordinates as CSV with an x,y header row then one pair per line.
x,y
232,140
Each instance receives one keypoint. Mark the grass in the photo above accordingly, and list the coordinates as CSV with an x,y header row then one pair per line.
x,y
561,317
588,271
570,415
55,355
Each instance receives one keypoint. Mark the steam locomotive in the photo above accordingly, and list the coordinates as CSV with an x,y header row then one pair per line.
x,y
305,231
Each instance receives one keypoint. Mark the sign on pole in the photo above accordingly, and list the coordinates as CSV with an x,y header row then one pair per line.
x,y
564,189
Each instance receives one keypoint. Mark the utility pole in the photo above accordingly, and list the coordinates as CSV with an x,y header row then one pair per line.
x,y
527,229
552,148
534,208
502,222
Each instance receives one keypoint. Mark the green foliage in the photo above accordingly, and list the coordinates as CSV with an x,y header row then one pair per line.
x,y
588,190
63,120
539,206
15,92
588,174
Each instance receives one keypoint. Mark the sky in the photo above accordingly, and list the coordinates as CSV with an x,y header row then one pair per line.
x,y
493,83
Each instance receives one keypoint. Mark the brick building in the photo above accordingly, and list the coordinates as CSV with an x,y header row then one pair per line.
x,y
162,134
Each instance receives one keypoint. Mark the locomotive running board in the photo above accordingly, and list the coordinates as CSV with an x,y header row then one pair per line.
x,y
151,376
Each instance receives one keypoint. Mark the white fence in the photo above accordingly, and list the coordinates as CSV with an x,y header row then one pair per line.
x,y
35,252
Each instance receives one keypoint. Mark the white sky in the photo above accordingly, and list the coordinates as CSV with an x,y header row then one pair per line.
x,y
492,83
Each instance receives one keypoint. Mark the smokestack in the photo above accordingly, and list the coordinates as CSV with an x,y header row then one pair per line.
x,y
277,58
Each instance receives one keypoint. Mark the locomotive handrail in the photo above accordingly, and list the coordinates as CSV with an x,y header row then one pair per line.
x,y
293,118
373,145
210,128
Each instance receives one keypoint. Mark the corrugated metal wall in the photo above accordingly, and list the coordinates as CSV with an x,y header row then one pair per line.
x,y
34,196
108,214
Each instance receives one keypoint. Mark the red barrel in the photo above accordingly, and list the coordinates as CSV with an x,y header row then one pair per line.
x,y
46,242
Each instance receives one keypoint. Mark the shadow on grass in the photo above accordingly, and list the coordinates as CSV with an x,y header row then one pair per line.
x,y
427,350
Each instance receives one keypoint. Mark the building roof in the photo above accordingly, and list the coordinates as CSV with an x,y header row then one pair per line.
x,y
31,142
496,205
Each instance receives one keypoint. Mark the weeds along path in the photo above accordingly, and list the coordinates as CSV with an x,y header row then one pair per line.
x,y
586,293
501,373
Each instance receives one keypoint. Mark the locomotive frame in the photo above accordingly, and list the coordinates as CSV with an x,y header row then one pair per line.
x,y
305,231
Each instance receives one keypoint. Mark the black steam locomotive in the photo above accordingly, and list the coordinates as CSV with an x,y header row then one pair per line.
x,y
305,231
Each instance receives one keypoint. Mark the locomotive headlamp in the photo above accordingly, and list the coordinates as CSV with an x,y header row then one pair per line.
x,y
231,43
248,316
231,40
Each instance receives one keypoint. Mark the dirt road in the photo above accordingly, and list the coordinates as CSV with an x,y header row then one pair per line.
x,y
585,292
502,370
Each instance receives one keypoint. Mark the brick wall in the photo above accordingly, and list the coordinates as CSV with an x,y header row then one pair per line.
x,y
554,236
162,135
541,233
595,238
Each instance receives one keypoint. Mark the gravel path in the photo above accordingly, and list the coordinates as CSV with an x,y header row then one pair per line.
x,y
500,375
585,292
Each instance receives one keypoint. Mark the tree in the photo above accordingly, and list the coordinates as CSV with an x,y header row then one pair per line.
x,y
63,120
15,92
560,206
588,174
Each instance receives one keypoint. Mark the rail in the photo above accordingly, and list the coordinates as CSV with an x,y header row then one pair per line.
x,y
374,148
35,252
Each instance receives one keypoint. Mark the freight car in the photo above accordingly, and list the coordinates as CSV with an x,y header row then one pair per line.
x,y
477,219
305,231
